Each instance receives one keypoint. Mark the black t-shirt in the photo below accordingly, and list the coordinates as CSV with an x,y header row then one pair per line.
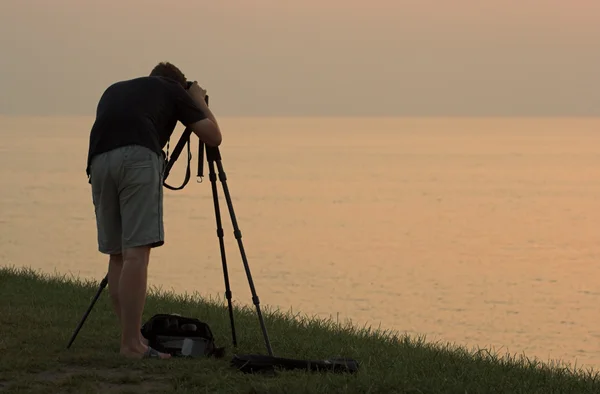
x,y
142,111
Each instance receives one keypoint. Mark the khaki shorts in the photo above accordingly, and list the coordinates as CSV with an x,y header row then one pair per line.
x,y
127,192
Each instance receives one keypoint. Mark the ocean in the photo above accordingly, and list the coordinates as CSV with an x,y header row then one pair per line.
x,y
480,232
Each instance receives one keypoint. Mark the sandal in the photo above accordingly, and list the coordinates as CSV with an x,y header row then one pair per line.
x,y
152,353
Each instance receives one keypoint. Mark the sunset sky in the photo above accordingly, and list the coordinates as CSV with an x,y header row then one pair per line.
x,y
326,57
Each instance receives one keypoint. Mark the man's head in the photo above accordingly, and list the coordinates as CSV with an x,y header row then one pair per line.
x,y
168,70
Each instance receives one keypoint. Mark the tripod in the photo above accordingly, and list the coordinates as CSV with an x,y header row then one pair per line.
x,y
213,157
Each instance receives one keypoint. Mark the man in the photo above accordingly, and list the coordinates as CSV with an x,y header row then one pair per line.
x,y
134,121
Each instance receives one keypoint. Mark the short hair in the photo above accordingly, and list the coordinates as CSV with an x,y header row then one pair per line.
x,y
168,70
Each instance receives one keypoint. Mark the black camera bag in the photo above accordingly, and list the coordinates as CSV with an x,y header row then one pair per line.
x,y
181,336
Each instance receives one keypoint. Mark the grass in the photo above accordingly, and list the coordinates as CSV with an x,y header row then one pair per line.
x,y
38,314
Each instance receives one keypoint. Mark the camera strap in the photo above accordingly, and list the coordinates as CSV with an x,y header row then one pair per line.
x,y
183,140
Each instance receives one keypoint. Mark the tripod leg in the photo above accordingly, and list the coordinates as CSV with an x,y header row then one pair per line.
x,y
238,237
103,284
213,181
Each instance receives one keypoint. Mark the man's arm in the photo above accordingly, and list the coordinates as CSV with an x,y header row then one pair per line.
x,y
206,129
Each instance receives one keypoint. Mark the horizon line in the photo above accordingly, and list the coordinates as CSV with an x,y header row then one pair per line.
x,y
438,116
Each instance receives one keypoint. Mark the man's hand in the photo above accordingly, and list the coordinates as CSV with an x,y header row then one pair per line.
x,y
206,129
197,92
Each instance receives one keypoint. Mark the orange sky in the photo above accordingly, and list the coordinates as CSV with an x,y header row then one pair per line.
x,y
328,57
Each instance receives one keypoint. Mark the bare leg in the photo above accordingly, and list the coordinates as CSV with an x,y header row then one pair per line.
x,y
132,297
115,265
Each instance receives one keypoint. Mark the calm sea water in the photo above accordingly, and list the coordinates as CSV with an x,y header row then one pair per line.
x,y
478,232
